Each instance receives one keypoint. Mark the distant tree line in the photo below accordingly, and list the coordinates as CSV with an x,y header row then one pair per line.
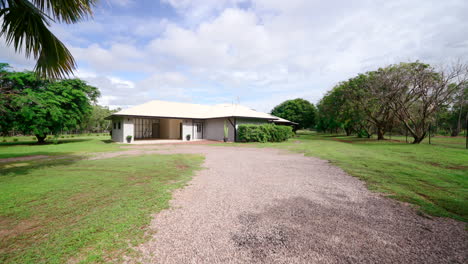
x,y
40,107
405,97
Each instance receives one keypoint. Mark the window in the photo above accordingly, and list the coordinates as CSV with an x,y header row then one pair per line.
x,y
119,125
199,127
115,125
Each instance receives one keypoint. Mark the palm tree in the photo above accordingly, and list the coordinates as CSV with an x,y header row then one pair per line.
x,y
25,26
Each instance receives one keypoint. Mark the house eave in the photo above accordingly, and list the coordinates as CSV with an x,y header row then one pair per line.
x,y
181,117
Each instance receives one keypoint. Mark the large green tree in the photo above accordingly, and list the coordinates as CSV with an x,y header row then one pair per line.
x,y
338,110
25,26
95,121
416,91
297,110
43,107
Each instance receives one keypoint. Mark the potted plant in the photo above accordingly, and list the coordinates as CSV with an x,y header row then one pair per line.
x,y
226,132
129,139
188,137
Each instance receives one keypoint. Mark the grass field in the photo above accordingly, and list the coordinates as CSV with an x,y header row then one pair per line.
x,y
50,138
67,146
82,211
71,209
433,177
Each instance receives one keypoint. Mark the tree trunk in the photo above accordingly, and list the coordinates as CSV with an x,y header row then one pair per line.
x,y
41,138
459,123
348,131
380,133
417,139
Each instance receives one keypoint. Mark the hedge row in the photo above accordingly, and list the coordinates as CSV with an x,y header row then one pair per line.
x,y
264,133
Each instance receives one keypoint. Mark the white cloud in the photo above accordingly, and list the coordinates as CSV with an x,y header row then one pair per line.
x,y
262,51
121,3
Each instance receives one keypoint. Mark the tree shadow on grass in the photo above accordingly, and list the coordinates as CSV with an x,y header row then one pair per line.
x,y
34,143
20,167
107,141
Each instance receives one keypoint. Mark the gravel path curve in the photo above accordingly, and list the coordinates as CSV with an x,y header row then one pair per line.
x,y
255,205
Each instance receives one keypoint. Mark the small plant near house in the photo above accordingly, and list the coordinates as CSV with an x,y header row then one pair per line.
x,y
187,137
129,138
226,132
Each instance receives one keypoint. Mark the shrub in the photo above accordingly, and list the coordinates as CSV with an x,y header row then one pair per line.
x,y
15,140
4,140
264,133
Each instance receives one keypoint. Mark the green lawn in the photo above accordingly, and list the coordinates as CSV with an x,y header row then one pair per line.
x,y
75,146
434,177
85,211
32,139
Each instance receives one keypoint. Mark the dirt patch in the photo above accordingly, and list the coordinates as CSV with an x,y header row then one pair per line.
x,y
79,197
10,228
181,166
458,167
133,152
342,140
25,158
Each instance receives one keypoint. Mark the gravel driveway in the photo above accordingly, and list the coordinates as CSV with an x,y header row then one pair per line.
x,y
255,205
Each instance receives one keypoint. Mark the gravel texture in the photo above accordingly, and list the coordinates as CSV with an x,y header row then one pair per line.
x,y
255,205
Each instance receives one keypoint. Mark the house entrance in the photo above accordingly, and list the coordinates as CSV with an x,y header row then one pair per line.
x,y
198,130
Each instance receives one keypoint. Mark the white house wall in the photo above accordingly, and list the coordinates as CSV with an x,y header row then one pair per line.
x,y
214,129
187,125
117,134
128,128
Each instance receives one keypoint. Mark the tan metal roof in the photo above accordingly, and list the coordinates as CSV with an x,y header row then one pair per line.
x,y
166,109
282,120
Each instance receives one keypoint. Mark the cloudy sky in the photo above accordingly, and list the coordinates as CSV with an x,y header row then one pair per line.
x,y
256,52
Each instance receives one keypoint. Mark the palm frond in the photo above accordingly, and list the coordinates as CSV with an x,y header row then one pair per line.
x,y
26,26
68,11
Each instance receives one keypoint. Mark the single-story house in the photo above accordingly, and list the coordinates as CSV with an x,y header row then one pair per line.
x,y
183,121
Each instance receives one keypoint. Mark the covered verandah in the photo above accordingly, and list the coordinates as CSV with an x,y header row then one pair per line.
x,y
146,128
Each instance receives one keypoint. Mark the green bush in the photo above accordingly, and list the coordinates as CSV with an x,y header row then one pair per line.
x,y
15,140
264,133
